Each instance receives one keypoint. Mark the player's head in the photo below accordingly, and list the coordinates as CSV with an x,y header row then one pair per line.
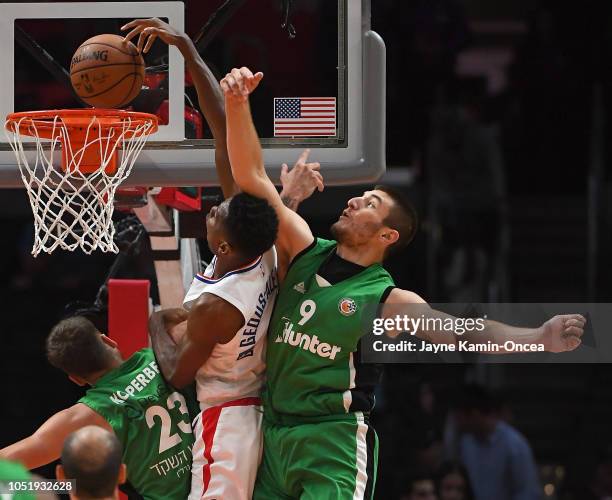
x,y
382,217
242,226
420,486
77,347
92,457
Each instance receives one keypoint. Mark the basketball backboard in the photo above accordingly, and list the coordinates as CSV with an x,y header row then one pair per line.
x,y
333,57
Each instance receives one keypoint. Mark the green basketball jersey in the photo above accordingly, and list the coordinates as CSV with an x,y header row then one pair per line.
x,y
11,473
152,423
314,335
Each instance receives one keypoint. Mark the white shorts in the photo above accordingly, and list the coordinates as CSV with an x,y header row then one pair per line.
x,y
227,451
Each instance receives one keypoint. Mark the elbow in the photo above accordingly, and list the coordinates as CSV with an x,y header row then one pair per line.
x,y
250,180
156,321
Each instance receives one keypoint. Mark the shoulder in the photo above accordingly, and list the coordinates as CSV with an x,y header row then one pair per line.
x,y
81,414
517,443
212,309
135,362
323,243
211,305
141,356
316,247
400,296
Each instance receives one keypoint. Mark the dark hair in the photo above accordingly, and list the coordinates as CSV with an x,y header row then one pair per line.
x,y
476,397
402,217
416,475
93,460
74,346
454,467
251,224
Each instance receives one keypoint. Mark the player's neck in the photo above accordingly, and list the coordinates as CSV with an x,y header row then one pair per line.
x,y
93,378
362,255
226,264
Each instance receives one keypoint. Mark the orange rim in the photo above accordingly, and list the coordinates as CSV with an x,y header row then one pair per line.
x,y
77,121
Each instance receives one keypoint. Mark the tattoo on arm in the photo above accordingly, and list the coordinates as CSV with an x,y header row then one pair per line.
x,y
290,202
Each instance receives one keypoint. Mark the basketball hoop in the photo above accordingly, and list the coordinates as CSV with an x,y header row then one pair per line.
x,y
73,206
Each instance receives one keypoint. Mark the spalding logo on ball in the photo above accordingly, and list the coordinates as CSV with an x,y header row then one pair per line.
x,y
107,72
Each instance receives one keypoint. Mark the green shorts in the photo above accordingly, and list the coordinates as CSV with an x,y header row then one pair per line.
x,y
335,459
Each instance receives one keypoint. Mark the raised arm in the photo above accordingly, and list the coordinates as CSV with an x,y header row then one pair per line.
x,y
45,445
246,159
210,321
558,334
210,96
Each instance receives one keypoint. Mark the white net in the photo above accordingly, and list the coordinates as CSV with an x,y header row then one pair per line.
x,y
73,209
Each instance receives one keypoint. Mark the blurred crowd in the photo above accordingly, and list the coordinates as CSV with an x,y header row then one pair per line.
x,y
473,451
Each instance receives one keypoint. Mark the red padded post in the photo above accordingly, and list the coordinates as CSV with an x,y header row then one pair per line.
x,y
128,314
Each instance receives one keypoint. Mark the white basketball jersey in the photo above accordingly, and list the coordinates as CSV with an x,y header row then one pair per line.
x,y
236,370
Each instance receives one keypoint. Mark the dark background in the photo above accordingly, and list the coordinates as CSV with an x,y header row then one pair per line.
x,y
497,127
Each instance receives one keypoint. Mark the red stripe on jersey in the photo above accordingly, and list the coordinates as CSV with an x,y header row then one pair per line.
x,y
210,419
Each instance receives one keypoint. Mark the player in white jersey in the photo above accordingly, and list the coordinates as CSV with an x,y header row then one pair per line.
x,y
226,314
227,309
235,370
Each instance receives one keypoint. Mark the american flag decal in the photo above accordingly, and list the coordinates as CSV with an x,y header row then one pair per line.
x,y
304,116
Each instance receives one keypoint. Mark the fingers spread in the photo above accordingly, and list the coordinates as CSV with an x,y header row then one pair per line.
x,y
133,33
131,24
141,41
149,43
152,34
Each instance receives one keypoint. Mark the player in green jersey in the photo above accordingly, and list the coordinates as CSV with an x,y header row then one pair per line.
x,y
130,398
318,443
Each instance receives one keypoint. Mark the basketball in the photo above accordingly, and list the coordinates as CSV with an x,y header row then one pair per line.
x,y
106,71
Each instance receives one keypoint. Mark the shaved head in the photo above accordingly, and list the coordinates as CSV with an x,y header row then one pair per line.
x,y
92,456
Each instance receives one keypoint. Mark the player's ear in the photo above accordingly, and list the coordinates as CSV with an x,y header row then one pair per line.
x,y
389,236
224,248
59,472
108,341
122,474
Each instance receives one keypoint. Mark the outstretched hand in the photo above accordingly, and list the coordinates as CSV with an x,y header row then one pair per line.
x,y
300,182
239,83
148,31
563,333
